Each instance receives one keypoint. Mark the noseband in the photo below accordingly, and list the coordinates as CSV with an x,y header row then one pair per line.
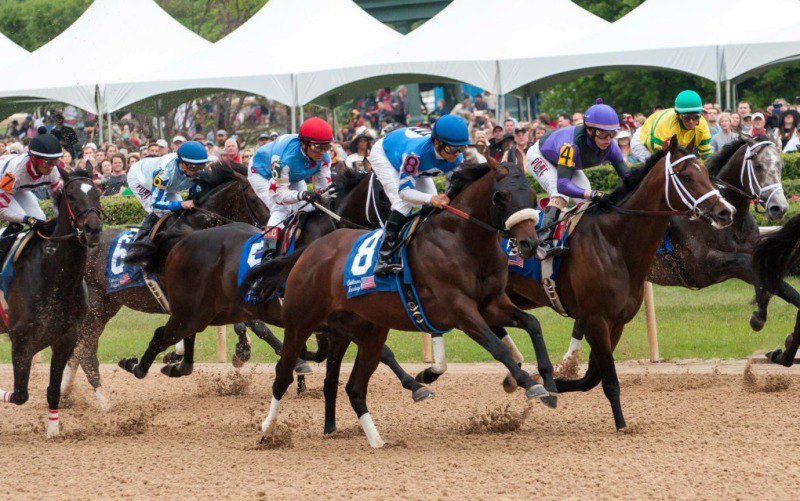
x,y
73,216
670,180
750,181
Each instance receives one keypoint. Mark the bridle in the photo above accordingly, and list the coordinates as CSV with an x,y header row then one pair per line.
x,y
671,180
73,216
750,182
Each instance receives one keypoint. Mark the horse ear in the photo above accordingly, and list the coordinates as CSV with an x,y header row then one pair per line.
x,y
493,164
672,147
691,145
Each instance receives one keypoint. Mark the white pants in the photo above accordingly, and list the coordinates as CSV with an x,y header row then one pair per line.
x,y
547,174
144,194
390,179
24,203
277,211
638,149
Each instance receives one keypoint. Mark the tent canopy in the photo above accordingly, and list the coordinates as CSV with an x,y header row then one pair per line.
x,y
262,56
96,48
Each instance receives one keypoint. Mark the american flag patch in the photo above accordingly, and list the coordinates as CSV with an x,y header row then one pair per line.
x,y
368,282
516,260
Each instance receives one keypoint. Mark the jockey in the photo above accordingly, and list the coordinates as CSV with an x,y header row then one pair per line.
x,y
157,182
405,161
279,170
685,120
559,157
20,175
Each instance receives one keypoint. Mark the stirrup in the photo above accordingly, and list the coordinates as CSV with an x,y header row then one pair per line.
x,y
551,250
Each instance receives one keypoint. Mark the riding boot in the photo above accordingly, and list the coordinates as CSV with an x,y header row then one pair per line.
x,y
271,239
546,234
146,227
391,232
7,240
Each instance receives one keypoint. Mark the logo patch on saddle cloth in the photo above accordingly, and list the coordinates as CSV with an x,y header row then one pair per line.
x,y
119,274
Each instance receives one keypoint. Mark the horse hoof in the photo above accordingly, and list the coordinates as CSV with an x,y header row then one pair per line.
x,y
176,370
237,362
756,323
139,372
421,394
509,385
536,391
329,431
550,401
171,358
128,364
302,368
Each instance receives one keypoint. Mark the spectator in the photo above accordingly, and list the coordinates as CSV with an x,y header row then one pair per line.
x,y
794,144
399,103
623,139
66,159
209,147
736,122
177,141
88,159
787,123
262,140
563,121
132,159
482,147
247,155
231,152
163,147
12,130
99,156
725,135
111,150
538,132
105,172
153,149
509,126
463,109
759,125
65,134
2,147
222,136
496,143
746,124
360,147
712,115
744,109
480,104
577,118
516,154
117,179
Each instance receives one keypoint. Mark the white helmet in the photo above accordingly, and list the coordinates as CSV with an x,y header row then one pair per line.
x,y
622,134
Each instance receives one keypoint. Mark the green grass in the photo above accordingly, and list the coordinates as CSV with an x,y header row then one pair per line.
x,y
712,323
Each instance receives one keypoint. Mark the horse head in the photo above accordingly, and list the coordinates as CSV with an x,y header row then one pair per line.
x,y
79,205
226,191
761,171
688,187
512,206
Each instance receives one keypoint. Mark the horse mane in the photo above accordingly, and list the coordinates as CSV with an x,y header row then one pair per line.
x,y
716,162
346,179
464,177
220,174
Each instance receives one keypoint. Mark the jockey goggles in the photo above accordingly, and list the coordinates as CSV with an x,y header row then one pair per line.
x,y
193,168
694,117
604,134
453,150
320,146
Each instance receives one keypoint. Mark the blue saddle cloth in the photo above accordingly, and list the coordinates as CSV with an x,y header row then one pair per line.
x,y
359,277
119,274
666,246
7,273
532,267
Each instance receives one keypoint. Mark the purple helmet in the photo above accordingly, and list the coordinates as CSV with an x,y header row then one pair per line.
x,y
601,116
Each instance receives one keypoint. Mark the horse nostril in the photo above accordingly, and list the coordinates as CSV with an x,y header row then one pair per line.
x,y
725,215
776,211
525,247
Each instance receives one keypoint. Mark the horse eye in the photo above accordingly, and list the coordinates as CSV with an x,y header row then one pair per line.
x,y
686,178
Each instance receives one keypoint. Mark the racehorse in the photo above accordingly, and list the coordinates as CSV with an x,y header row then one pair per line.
x,y
225,195
775,256
46,297
468,294
746,171
601,280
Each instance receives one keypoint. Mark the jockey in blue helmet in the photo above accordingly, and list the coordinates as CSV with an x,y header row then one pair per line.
x,y
559,157
405,162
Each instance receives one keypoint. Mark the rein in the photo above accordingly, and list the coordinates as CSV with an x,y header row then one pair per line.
x,y
73,218
472,219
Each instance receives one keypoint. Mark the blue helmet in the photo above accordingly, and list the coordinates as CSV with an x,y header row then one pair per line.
x,y
451,130
192,152
601,116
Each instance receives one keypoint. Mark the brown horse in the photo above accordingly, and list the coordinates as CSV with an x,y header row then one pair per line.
x,y
47,296
225,194
602,277
460,272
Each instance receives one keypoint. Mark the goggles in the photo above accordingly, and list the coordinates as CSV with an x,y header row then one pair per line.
x,y
193,168
605,134
320,146
453,150
693,117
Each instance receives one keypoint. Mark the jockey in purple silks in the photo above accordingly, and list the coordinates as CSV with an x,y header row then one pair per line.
x,y
559,157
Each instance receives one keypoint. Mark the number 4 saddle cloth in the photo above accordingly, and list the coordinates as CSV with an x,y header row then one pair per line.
x,y
359,278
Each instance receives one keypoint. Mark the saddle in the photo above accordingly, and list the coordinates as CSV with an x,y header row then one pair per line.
x,y
291,234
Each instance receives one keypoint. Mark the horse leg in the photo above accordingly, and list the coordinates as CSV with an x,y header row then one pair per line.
x,y
186,366
602,339
261,330
439,365
61,354
509,385
21,356
337,346
369,356
574,342
586,383
242,352
791,343
156,346
419,392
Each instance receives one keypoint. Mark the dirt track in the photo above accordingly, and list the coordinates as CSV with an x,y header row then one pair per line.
x,y
709,435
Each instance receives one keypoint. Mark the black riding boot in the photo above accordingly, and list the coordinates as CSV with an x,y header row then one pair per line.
x,y
390,233
271,239
546,235
146,227
9,236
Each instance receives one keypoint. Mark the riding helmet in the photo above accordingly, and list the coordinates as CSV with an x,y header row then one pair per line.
x,y
45,145
192,152
451,130
688,101
601,116
316,130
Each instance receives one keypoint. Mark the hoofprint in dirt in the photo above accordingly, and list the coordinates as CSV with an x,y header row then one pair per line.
x,y
697,429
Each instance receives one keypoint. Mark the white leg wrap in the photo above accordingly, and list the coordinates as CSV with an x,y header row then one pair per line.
x,y
439,358
66,379
515,353
179,348
269,422
5,396
373,437
52,423
102,400
574,345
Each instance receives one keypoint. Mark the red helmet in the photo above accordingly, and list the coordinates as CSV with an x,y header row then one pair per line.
x,y
316,130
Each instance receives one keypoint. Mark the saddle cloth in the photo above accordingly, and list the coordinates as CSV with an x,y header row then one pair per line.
x,y
119,274
7,273
359,278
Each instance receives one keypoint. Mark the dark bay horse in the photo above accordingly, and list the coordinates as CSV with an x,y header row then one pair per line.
x,y
47,298
775,256
602,277
460,272
226,193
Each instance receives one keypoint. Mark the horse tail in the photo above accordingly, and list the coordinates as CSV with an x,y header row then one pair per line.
x,y
152,255
263,280
776,254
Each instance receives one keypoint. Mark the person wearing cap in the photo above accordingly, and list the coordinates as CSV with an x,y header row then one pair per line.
x,y
20,175
157,182
684,120
279,170
177,141
623,140
759,127
222,136
405,162
516,153
263,139
360,146
496,142
558,160
163,147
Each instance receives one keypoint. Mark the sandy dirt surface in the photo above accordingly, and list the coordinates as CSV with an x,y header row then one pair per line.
x,y
697,430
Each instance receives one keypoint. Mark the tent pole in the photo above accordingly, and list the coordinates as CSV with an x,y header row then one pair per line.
x,y
99,122
528,104
158,119
302,116
332,104
728,94
110,134
719,92
735,97
294,123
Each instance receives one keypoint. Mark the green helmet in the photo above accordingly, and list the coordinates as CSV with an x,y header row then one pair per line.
x,y
688,101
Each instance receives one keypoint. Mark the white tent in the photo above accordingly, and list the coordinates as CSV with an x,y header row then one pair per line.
x,y
9,51
112,38
262,56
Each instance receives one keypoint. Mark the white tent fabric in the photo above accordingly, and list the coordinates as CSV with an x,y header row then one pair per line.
x,y
112,39
262,56
9,51
458,45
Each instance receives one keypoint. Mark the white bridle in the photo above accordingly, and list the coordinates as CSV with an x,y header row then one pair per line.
x,y
751,183
688,200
